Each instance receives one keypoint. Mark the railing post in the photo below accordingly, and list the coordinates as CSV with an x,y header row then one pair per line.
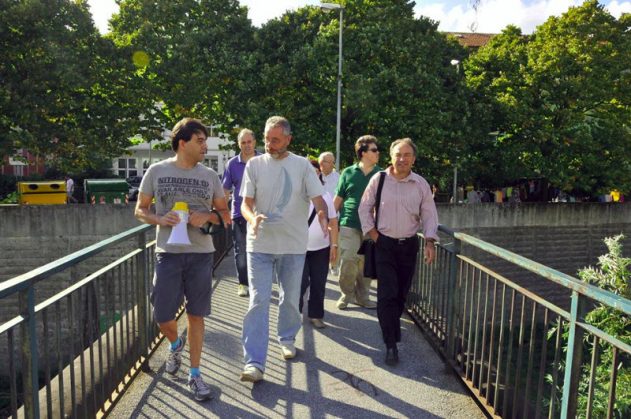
x,y
574,358
30,357
143,272
452,301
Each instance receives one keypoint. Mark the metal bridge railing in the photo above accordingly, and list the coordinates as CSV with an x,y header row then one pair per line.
x,y
520,354
66,355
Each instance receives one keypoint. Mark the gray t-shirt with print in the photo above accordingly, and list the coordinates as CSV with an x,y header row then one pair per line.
x,y
281,190
169,184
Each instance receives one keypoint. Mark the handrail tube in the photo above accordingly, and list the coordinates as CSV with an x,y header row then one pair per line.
x,y
574,284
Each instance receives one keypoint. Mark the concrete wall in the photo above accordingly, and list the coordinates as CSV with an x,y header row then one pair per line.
x,y
563,236
35,235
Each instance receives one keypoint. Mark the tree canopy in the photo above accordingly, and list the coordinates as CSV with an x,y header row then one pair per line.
x,y
65,93
194,56
559,100
397,79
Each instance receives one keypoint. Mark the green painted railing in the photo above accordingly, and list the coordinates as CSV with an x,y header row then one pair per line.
x,y
520,354
67,354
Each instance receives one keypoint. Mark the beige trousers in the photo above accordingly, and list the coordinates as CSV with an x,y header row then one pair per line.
x,y
353,284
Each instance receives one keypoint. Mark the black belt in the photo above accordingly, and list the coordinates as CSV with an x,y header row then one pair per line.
x,y
406,240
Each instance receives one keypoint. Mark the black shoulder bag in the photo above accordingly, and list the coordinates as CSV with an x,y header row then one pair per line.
x,y
367,247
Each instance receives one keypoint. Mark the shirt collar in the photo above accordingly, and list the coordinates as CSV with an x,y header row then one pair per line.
x,y
409,178
256,153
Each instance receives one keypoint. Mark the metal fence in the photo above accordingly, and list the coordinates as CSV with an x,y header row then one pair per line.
x,y
521,355
66,355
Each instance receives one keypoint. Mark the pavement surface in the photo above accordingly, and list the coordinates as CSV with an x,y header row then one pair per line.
x,y
339,371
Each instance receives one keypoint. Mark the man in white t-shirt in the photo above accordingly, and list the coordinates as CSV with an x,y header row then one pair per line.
x,y
277,187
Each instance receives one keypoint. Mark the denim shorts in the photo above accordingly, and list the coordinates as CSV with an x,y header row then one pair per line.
x,y
181,277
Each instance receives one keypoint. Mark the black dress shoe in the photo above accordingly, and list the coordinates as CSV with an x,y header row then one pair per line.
x,y
392,356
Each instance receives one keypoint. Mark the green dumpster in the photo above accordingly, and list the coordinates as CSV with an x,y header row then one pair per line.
x,y
42,193
106,191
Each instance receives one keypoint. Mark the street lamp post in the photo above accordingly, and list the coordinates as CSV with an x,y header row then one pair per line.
x,y
338,128
455,190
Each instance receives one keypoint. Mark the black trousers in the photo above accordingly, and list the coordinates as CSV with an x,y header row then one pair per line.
x,y
314,277
396,261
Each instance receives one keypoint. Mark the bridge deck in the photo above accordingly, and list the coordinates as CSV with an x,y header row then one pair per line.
x,y
339,371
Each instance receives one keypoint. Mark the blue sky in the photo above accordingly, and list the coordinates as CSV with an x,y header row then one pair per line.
x,y
454,15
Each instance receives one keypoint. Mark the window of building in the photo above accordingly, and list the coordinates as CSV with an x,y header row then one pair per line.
x,y
127,167
212,162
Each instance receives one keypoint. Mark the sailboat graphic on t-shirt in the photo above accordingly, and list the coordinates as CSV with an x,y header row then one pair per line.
x,y
281,198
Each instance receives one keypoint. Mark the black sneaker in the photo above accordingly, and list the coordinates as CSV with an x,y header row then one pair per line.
x,y
175,357
200,389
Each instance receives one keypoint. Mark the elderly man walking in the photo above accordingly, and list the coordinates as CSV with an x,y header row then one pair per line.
x,y
277,187
406,205
232,178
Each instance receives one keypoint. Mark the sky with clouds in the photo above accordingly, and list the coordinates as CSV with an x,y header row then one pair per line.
x,y
453,15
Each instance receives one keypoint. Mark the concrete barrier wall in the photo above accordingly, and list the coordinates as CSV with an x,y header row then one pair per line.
x,y
563,236
35,235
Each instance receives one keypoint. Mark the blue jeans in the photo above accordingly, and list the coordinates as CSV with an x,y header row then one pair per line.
x,y
261,269
239,232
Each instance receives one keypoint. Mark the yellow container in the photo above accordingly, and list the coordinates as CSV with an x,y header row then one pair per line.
x,y
42,193
180,206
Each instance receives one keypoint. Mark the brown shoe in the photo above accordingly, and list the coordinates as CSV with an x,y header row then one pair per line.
x,y
318,323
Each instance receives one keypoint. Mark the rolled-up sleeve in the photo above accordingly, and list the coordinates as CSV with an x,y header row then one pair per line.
x,y
367,205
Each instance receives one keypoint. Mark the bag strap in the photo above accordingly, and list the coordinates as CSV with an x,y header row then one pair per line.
x,y
311,217
382,177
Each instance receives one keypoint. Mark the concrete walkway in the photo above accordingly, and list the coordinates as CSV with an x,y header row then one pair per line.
x,y
338,372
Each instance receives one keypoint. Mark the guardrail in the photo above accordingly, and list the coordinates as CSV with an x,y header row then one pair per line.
x,y
67,355
521,355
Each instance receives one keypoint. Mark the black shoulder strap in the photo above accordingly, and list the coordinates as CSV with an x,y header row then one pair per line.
x,y
311,217
382,177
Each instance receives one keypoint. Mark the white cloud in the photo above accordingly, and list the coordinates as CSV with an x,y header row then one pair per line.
x,y
495,15
101,11
617,8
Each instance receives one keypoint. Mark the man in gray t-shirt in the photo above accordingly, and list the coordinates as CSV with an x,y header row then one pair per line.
x,y
276,190
183,271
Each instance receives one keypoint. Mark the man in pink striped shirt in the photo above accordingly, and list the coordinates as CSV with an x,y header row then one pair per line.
x,y
406,205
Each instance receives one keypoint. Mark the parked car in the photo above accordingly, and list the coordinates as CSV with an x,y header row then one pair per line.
x,y
134,185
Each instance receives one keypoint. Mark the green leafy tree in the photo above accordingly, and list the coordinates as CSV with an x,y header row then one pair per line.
x,y
194,58
66,94
397,77
494,77
581,96
560,101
